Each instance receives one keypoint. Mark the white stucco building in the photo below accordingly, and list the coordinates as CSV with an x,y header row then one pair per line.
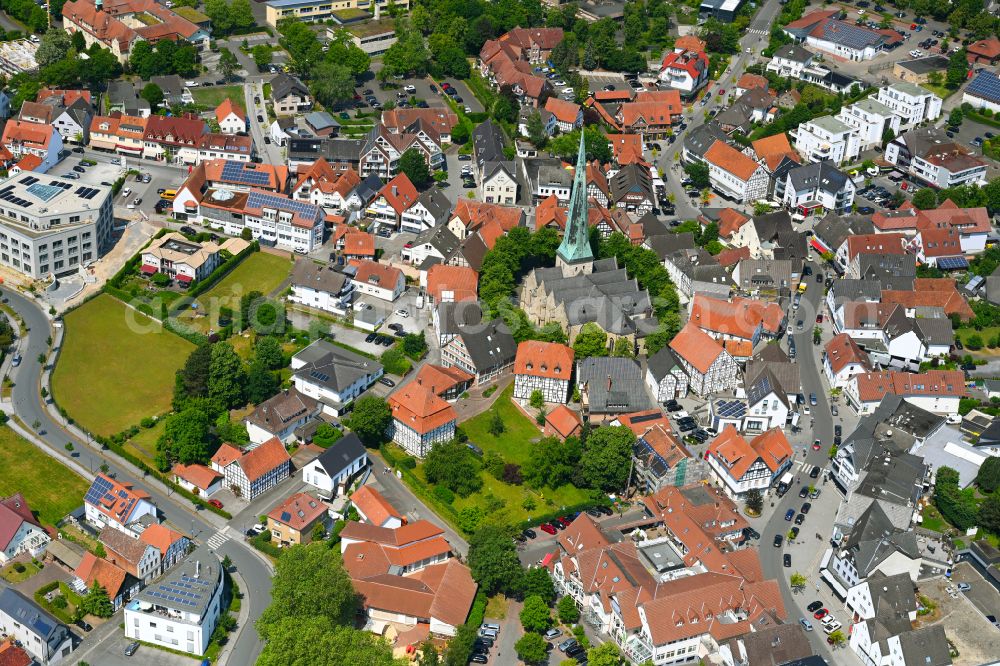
x,y
826,138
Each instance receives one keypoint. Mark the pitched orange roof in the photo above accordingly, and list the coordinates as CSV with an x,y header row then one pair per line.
x,y
371,272
298,511
773,149
544,359
934,292
420,409
226,454
107,575
737,455
873,386
731,221
359,243
732,256
564,421
627,148
985,48
374,505
161,537
261,460
727,158
228,107
197,475
738,317
875,244
441,379
842,350
475,214
689,43
739,348
13,655
696,347
452,283
564,111
32,135
29,162
549,213
399,193
941,242
751,81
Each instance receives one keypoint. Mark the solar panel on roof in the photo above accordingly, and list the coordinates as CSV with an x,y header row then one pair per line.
x,y
98,489
952,263
985,85
237,172
28,180
262,199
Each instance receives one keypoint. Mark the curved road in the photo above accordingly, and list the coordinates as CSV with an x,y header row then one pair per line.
x,y
197,524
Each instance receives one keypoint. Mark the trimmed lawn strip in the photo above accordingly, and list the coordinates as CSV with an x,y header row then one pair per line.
x,y
143,445
51,489
517,439
116,366
932,519
213,96
12,576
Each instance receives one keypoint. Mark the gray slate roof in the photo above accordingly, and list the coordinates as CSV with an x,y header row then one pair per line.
x,y
285,84
334,367
489,345
487,143
701,138
662,362
341,454
793,52
818,176
33,618
321,277
452,316
624,392
834,229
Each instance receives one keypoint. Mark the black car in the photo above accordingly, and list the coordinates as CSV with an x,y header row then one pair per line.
x,y
131,648
812,475
807,270
385,381
778,540
188,230
958,344
804,492
479,658
819,278
751,533
805,507
78,149
686,427
83,624
673,406
529,533
787,560
575,650
465,157
79,169
260,118
606,510
837,430
371,337
814,606
799,519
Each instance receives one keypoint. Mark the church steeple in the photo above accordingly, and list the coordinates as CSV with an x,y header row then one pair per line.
x,y
574,252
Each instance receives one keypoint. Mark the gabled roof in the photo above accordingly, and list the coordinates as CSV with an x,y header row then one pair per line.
x,y
842,350
298,511
544,359
563,420
228,107
259,461
373,504
419,408
453,283
14,512
372,272
95,569
696,347
114,499
564,111
160,537
737,454
197,475
341,455
731,160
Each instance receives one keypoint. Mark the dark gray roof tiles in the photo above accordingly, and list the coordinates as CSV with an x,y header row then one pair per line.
x,y
490,345
334,367
341,454
818,176
614,385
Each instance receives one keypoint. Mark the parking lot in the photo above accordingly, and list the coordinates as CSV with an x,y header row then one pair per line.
x,y
111,652
389,91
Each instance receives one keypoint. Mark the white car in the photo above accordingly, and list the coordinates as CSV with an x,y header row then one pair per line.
x,y
191,84
916,53
402,313
410,89
561,83
568,91
126,191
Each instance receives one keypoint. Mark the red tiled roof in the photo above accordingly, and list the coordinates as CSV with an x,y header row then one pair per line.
x,y
549,213
812,18
564,421
109,576
875,244
627,148
474,214
32,135
696,347
564,111
738,317
842,350
228,107
458,283
419,408
14,512
727,158
441,379
160,536
695,63
544,359
198,475
940,242
29,162
872,386
751,81
773,149
736,454
732,256
371,272
320,175
985,48
934,292
689,43
261,460
298,511
731,221
359,243
399,193
12,655
226,454
374,505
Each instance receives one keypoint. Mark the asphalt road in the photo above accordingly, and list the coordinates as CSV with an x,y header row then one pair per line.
x,y
199,525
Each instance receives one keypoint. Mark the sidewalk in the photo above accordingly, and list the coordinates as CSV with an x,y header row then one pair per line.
x,y
241,620
476,404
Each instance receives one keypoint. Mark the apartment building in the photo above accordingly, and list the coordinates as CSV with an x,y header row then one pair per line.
x,y
826,138
911,103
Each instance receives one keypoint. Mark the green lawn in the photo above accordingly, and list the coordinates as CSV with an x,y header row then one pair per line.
x,y
932,519
213,96
51,489
260,271
985,335
515,443
144,444
11,575
116,366
943,92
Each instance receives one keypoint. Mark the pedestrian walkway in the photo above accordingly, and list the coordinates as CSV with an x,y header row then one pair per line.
x,y
758,31
218,539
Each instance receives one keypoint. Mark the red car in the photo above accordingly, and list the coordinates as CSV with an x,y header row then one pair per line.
x,y
819,318
548,529
564,521
216,503
821,613
816,445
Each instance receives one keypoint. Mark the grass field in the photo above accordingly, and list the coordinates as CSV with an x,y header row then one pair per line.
x,y
213,96
515,443
260,271
52,490
116,366
144,444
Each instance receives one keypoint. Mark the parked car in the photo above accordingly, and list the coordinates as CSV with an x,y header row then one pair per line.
x,y
553,633
548,529
778,540
821,613
789,514
799,519
216,503
567,644
804,492
806,624
131,648
814,606
813,475
787,560
964,587
529,533
385,381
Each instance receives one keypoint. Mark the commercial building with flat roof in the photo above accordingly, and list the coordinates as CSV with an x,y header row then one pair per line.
x,y
51,225
322,10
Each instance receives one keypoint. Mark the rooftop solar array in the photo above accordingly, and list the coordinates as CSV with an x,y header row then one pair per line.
x,y
28,180
6,194
237,172
730,409
952,263
322,376
44,192
263,199
186,591
98,489
849,35
985,85
86,192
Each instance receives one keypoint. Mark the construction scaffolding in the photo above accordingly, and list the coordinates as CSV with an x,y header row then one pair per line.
x,y
18,56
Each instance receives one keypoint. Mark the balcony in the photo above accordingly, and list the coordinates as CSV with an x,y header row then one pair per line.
x,y
638,650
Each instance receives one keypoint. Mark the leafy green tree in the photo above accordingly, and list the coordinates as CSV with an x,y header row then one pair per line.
x,y
226,377
535,615
153,94
193,377
797,581
988,477
568,612
268,352
370,420
263,55
605,654
537,400
470,518
989,513
551,463
309,582
532,648
606,456
241,15
493,559
497,426
185,437
261,383
755,501
838,639
218,12
453,465
925,199
413,164
536,130
595,142
302,45
332,83
623,348
326,435
590,341
698,173
955,117
228,64
318,641
958,67
53,46
537,582
96,602
415,344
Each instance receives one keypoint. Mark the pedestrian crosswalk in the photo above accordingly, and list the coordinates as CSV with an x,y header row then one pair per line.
x,y
218,539
758,31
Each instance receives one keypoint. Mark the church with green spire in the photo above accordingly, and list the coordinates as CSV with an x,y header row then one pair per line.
x,y
574,255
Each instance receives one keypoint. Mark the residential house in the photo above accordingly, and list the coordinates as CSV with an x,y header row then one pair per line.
x,y
696,271
652,114
435,121
632,189
709,367
430,210
839,38
23,138
937,391
273,219
173,546
737,318
446,283
395,198
321,286
407,578
771,278
232,118
294,520
568,115
332,471
447,383
854,248
375,509
547,119
20,531
931,157
69,111
563,422
686,71
509,61
322,123
770,236
110,502
281,416
545,367
498,183
255,471
872,120
827,138
226,175
420,419
450,318
940,246
768,405
546,176
626,148
790,60
734,175
382,149
289,95
197,479
333,375
185,261
119,584
123,98
610,386
910,103
740,465
748,82
174,91
232,147
817,188
322,185
665,376
176,138
469,216
843,359
47,640
137,558
755,106
377,280
486,351
660,460
166,614
777,155
984,51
